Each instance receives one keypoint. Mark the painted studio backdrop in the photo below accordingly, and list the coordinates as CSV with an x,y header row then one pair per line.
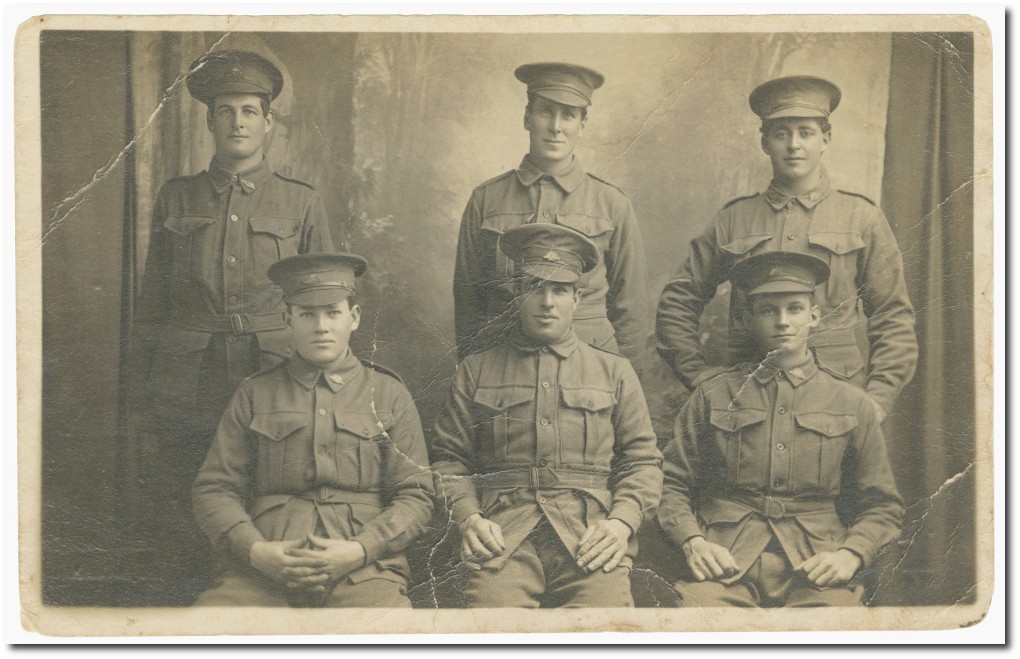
x,y
395,130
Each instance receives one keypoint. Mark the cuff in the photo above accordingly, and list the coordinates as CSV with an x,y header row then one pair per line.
x,y
464,507
861,547
372,544
241,538
680,531
627,514
881,394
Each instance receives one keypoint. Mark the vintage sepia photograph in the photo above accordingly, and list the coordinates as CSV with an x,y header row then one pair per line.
x,y
504,324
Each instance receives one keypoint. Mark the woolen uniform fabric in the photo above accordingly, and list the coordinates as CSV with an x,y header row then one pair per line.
x,y
300,449
763,458
558,433
613,311
865,306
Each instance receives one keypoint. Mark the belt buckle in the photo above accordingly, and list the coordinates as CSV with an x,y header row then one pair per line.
x,y
536,480
237,323
773,508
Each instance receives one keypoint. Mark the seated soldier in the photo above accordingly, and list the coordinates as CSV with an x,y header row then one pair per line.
x,y
545,448
318,475
765,454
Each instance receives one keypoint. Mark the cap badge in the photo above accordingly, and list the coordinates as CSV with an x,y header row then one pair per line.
x,y
551,255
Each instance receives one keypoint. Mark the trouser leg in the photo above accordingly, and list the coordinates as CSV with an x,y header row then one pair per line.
x,y
519,583
715,594
236,588
370,593
569,586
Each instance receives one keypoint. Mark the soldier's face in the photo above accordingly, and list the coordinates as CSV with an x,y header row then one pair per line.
x,y
782,321
554,129
238,126
795,145
321,334
546,309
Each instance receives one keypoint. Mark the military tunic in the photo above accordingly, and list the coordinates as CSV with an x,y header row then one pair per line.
x,y
559,433
208,316
865,306
300,449
762,458
613,311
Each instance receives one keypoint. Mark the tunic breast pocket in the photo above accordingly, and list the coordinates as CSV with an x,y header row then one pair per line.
x,y
496,264
511,421
743,246
821,441
360,445
272,430
840,250
273,238
586,422
598,229
740,445
192,247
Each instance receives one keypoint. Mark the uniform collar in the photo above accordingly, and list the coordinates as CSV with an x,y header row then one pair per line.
x,y
797,374
779,199
564,348
528,174
248,180
338,374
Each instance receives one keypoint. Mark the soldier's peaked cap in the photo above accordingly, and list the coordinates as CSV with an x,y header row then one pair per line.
x,y
233,72
549,251
779,272
569,84
315,280
794,96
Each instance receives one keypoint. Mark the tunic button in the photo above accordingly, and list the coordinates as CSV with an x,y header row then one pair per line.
x,y
322,412
544,422
545,213
322,450
230,259
542,499
782,410
791,236
232,299
591,404
544,350
780,447
545,385
233,218
777,483
542,463
232,339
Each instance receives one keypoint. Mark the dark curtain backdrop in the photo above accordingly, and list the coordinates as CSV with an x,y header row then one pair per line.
x,y
928,196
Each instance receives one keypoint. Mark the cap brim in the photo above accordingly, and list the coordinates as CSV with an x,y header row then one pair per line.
x,y
549,272
796,112
782,287
563,96
319,297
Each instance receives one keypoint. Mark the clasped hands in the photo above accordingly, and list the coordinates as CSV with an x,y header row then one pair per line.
x,y
310,564
709,561
603,545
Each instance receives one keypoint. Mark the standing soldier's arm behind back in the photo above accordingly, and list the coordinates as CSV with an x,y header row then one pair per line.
x,y
891,334
315,231
468,301
627,276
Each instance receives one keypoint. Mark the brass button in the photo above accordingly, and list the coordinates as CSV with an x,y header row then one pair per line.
x,y
545,213
782,410
777,483
544,422
232,339
233,218
542,499
791,236
542,463
322,412
322,450
545,385
780,447
230,259
232,299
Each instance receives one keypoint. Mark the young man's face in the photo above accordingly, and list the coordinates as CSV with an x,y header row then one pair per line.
x,y
238,126
554,129
781,321
547,309
321,334
795,145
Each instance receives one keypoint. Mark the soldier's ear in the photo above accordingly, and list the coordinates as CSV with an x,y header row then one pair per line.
x,y
287,316
209,118
270,118
527,119
816,316
355,316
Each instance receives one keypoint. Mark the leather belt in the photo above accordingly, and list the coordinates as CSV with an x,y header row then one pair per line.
x,y
778,507
236,323
542,478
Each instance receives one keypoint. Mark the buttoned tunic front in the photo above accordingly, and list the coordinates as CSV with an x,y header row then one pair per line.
x,y
299,447
613,312
867,329
560,432
763,452
208,316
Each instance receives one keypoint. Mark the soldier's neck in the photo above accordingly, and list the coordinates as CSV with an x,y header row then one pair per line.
x,y
240,166
553,167
799,186
787,359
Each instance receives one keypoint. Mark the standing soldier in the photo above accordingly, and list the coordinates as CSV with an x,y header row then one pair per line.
x,y
208,316
545,448
551,187
864,304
